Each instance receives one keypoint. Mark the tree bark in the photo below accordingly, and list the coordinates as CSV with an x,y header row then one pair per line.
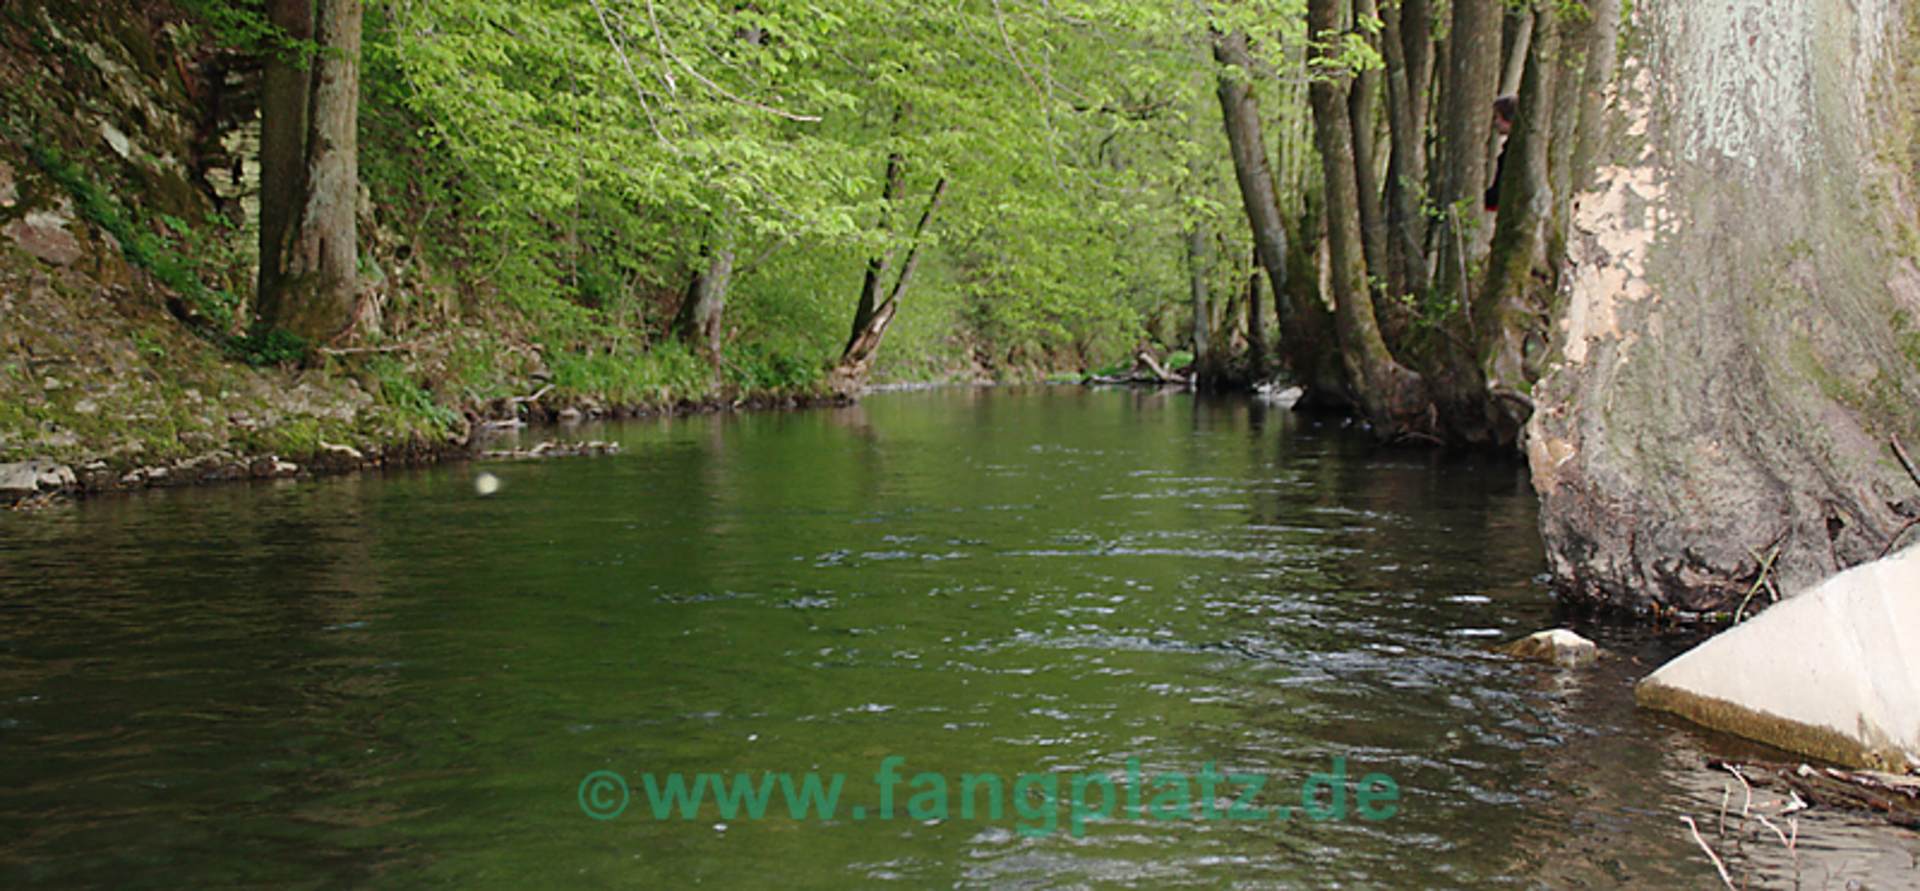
x,y
1392,397
310,250
1510,310
1737,347
1362,102
1407,146
877,265
850,374
1306,330
702,317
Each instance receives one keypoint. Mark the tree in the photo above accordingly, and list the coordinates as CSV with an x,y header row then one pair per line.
x,y
1738,344
309,183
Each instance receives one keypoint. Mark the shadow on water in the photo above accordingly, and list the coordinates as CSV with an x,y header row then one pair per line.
x,y
388,680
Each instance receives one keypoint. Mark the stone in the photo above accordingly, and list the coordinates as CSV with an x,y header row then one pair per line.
x,y
27,478
44,235
9,187
1556,647
570,415
1833,673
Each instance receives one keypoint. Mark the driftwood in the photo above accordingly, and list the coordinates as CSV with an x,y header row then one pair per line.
x,y
1146,370
1892,797
553,449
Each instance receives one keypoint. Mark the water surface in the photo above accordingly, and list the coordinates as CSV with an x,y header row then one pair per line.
x,y
386,680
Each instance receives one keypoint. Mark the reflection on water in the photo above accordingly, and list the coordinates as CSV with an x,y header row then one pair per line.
x,y
387,680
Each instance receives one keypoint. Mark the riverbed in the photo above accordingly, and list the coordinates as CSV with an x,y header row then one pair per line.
x,y
390,680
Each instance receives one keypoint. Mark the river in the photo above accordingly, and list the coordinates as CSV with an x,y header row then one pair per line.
x,y
386,679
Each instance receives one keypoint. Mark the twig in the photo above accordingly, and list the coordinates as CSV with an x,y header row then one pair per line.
x,y
639,92
349,351
1896,536
535,397
1766,566
1722,867
1906,460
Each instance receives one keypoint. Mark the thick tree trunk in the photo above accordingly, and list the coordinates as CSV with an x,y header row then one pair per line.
x,y
702,317
312,241
286,91
1393,398
1306,331
1736,350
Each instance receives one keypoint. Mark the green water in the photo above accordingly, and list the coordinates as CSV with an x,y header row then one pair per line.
x,y
387,680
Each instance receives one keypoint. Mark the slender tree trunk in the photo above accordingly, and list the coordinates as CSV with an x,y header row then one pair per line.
x,y
877,266
313,241
1202,310
1393,398
1512,305
1306,331
1466,120
1466,113
1407,153
850,374
1736,352
1362,102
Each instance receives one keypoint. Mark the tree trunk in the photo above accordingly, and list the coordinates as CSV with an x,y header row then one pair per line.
x,y
1510,310
850,374
1362,100
1407,151
1202,310
1306,331
310,240
286,91
1737,349
702,317
877,266
1466,121
1393,398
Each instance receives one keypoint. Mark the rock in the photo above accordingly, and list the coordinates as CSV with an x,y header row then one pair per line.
x,y
45,236
1556,647
116,140
9,188
28,478
1833,673
570,415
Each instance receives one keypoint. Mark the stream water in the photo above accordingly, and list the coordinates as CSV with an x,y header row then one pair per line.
x,y
387,680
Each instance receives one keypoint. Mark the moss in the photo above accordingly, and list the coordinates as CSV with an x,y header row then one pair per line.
x,y
1793,736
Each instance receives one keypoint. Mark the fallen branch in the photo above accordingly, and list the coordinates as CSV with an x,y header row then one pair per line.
x,y
1906,460
350,351
1717,864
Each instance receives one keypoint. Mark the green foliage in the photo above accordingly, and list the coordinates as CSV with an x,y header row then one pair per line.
x,y
265,348
398,390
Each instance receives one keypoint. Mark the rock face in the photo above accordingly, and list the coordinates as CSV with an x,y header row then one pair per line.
x,y
1557,647
1833,673
1740,316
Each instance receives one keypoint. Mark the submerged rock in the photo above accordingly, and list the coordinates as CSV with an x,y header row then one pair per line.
x,y
1556,647
1833,673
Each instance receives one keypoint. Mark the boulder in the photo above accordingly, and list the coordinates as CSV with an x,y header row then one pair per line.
x,y
1833,673
1557,647
28,478
44,235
